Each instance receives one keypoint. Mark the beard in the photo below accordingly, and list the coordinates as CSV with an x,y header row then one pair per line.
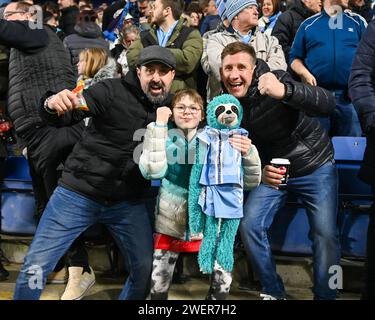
x,y
159,98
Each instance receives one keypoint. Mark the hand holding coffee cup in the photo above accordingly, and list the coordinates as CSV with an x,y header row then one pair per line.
x,y
276,175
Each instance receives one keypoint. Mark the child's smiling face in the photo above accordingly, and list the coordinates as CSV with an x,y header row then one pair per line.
x,y
186,113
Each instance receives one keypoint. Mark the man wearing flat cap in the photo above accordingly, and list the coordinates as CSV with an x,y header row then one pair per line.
x,y
101,182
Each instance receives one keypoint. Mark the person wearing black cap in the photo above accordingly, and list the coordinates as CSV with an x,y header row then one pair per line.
x,y
101,181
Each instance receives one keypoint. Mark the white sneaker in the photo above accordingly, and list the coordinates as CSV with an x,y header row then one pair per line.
x,y
78,284
269,297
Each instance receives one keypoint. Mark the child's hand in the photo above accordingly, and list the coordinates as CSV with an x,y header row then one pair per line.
x,y
162,115
241,143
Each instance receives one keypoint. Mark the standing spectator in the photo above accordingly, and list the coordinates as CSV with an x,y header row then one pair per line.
x,y
87,35
101,182
69,16
362,92
211,19
48,68
193,14
270,14
288,23
278,113
363,8
94,66
168,30
322,54
127,36
110,11
144,14
243,18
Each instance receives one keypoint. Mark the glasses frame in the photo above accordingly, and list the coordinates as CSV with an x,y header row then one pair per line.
x,y
187,107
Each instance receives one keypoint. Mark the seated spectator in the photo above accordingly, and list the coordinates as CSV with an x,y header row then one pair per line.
x,y
270,13
88,35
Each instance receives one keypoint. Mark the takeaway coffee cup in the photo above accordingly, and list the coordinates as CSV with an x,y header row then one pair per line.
x,y
283,164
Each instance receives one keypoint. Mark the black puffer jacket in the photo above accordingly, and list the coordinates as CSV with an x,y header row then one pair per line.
x,y
362,93
286,129
101,165
88,35
288,23
31,75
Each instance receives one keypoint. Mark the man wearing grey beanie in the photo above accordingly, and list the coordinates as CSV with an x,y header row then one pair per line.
x,y
243,18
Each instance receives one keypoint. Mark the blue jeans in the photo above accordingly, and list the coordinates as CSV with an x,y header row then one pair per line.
x,y
66,216
318,192
344,121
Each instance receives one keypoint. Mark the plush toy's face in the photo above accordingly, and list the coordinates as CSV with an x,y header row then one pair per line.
x,y
224,112
227,114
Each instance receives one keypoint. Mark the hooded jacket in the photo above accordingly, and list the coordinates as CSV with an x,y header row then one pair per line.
x,y
101,165
88,35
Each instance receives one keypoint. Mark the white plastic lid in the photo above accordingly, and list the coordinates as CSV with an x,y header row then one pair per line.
x,y
280,161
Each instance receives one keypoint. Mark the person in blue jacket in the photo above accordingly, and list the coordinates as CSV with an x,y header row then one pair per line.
x,y
322,54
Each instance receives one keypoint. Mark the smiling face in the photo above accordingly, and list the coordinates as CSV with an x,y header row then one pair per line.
x,y
237,73
186,113
267,8
156,80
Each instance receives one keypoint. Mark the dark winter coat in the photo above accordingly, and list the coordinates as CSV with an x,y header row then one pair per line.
x,y
101,165
288,129
362,93
31,75
288,23
88,35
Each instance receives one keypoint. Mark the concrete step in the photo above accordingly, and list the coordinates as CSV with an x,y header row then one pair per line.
x,y
296,272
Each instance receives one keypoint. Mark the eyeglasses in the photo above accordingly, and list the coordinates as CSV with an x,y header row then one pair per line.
x,y
180,108
10,13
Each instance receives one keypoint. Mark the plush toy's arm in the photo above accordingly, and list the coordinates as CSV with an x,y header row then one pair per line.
x,y
153,161
196,216
252,169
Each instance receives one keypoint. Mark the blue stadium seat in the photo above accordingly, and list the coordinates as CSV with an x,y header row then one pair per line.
x,y
355,197
17,199
289,232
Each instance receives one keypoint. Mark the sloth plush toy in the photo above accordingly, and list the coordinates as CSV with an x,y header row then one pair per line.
x,y
216,183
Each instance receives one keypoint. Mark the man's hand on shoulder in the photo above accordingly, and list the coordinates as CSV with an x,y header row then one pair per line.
x,y
63,102
269,85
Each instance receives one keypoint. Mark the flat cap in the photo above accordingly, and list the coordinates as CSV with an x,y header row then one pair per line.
x,y
157,54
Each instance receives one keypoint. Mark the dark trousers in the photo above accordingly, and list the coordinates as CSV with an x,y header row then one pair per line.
x,y
369,288
47,149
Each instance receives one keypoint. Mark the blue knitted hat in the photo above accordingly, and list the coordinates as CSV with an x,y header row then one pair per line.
x,y
234,7
220,5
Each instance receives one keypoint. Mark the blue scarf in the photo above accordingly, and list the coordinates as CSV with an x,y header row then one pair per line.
x,y
271,22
